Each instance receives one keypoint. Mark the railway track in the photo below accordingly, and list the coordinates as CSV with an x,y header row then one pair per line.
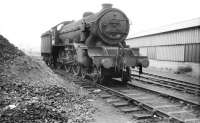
x,y
155,104
144,105
183,86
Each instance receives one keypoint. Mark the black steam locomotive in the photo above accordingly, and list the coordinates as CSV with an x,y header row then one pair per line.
x,y
93,46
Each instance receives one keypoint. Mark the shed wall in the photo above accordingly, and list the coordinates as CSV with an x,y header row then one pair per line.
x,y
177,53
143,51
184,36
151,52
192,53
170,53
179,45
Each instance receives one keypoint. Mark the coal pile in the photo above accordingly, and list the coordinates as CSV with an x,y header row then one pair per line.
x,y
31,93
25,103
16,66
8,51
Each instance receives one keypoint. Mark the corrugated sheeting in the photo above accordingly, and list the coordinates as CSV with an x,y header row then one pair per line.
x,y
184,36
192,53
182,53
151,52
143,51
170,53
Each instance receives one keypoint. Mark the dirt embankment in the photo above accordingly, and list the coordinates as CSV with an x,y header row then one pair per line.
x,y
31,92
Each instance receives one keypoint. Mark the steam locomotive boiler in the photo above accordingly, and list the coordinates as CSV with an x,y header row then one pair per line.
x,y
93,46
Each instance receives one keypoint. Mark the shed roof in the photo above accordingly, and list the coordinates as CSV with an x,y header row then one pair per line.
x,y
172,27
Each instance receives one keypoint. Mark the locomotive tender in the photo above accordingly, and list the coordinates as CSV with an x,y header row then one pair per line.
x,y
93,46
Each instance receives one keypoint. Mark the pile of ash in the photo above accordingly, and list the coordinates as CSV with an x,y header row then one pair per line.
x,y
31,92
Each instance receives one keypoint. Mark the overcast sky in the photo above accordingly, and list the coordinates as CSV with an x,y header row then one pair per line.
x,y
23,21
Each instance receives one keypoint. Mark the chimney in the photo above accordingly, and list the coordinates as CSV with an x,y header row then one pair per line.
x,y
106,6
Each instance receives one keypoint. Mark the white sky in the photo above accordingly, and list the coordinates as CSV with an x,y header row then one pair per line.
x,y
23,21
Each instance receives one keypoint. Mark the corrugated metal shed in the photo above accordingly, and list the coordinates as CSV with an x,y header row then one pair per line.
x,y
182,53
176,42
192,53
143,51
170,53
184,36
151,52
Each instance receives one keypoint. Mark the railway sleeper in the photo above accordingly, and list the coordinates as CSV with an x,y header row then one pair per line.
x,y
140,116
104,96
120,103
112,100
129,109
